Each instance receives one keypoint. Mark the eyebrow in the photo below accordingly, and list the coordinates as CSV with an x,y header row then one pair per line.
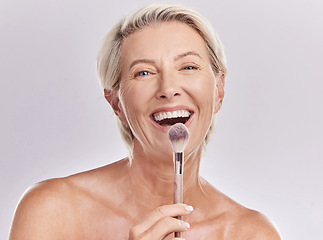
x,y
185,54
145,60
182,55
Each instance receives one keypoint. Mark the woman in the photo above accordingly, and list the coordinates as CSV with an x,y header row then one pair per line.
x,y
161,65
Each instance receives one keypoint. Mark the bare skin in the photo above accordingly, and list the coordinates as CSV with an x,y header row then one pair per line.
x,y
132,199
104,204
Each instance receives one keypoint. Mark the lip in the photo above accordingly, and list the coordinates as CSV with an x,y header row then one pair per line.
x,y
170,109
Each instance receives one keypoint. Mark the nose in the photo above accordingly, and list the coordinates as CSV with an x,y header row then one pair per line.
x,y
168,87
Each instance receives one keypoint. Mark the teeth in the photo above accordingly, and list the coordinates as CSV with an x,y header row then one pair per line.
x,y
174,114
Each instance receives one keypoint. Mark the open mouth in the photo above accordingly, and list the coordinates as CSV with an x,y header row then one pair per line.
x,y
172,117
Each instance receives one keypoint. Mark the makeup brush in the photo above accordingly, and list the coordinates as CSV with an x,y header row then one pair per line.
x,y
178,135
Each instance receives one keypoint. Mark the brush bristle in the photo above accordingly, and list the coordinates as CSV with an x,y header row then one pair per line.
x,y
178,135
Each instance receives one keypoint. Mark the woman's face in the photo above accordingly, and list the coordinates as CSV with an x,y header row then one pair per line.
x,y
166,77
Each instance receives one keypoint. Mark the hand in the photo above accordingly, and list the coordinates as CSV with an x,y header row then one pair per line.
x,y
161,222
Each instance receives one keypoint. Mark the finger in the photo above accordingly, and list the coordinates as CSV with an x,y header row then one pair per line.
x,y
172,210
165,226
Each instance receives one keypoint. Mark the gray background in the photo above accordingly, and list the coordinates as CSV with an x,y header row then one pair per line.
x,y
266,152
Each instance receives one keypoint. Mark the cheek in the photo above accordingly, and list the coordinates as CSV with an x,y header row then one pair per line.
x,y
204,91
134,97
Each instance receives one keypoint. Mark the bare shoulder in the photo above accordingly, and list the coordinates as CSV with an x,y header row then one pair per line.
x,y
231,220
37,215
249,224
255,225
53,209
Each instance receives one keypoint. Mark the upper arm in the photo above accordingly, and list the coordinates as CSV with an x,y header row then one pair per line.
x,y
39,213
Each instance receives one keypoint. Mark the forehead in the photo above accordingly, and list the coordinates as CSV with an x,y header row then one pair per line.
x,y
163,39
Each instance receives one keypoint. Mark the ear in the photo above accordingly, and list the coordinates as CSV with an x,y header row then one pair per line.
x,y
114,101
220,87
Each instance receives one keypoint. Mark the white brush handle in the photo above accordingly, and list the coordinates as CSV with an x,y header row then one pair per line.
x,y
178,196
178,188
178,183
178,177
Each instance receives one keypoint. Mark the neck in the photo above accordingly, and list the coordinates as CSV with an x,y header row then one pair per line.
x,y
152,178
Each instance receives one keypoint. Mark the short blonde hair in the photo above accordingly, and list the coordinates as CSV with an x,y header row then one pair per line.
x,y
109,54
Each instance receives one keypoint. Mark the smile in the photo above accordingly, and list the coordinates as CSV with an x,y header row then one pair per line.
x,y
171,117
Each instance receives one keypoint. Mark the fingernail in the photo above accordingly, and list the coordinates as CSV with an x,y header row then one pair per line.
x,y
189,208
186,225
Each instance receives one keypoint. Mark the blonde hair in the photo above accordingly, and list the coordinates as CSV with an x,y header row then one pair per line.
x,y
109,54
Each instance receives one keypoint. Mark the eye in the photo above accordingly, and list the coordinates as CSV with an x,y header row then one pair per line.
x,y
190,68
142,73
